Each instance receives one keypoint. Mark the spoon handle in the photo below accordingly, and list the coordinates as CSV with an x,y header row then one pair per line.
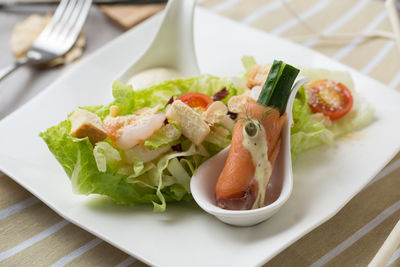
x,y
297,85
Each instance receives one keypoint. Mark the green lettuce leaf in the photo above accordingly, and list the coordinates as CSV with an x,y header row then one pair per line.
x,y
312,130
99,110
361,114
124,97
248,62
138,183
307,132
77,158
160,93
129,100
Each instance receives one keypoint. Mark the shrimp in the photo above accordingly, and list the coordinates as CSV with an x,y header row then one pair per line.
x,y
127,131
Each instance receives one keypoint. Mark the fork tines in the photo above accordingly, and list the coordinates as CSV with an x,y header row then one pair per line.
x,y
65,26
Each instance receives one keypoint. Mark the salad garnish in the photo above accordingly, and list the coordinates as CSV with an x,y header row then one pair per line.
x,y
332,99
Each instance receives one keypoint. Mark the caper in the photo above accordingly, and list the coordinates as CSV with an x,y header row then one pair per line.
x,y
251,129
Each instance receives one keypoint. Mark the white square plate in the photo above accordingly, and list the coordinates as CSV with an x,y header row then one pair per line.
x,y
325,179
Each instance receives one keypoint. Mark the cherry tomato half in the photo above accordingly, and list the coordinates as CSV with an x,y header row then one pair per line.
x,y
333,99
196,100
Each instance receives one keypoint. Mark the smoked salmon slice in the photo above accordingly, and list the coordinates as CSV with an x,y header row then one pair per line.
x,y
236,188
244,181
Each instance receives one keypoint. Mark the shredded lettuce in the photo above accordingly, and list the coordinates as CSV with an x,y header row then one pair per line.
x,y
218,138
179,173
168,135
123,175
132,158
161,166
104,153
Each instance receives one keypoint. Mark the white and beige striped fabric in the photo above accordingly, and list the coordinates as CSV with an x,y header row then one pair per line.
x,y
32,234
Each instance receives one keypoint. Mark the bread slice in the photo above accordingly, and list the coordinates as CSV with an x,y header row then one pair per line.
x,y
193,126
87,124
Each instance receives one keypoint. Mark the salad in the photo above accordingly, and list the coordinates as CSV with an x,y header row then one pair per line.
x,y
146,144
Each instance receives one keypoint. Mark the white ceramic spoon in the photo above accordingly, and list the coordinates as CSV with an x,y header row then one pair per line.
x,y
172,46
203,182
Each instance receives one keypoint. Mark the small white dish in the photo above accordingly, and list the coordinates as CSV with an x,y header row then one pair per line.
x,y
172,46
204,180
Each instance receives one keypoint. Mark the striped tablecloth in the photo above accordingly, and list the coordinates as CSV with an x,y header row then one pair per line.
x,y
32,234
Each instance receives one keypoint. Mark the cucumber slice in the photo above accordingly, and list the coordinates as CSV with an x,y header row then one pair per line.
x,y
270,84
277,87
283,88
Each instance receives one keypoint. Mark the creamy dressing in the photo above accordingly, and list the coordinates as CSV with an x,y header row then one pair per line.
x,y
152,76
255,141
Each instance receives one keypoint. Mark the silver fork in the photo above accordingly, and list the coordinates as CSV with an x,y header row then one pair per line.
x,y
57,37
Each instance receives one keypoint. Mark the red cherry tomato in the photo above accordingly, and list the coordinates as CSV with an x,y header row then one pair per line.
x,y
196,100
333,99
